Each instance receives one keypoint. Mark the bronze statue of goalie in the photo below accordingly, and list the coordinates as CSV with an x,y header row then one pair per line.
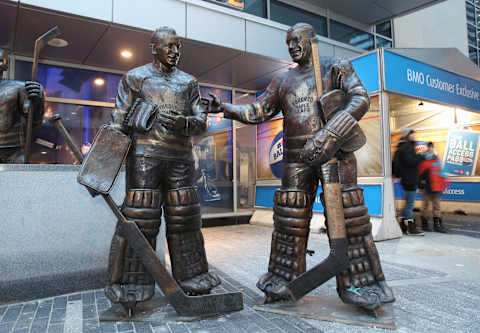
x,y
322,100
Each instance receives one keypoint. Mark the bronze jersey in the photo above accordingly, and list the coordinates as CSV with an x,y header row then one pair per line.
x,y
175,93
294,93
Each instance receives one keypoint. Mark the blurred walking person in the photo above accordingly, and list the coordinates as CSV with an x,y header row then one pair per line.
x,y
432,183
406,162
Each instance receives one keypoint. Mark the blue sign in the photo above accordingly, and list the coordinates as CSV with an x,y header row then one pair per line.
x,y
461,153
414,78
366,68
276,155
456,191
371,193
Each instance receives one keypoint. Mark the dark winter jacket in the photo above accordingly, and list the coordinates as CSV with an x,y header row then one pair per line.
x,y
406,165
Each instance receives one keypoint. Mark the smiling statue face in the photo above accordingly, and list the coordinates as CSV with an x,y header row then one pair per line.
x,y
299,46
168,50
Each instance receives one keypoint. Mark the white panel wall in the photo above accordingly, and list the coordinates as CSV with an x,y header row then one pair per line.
x,y
214,27
441,25
344,52
151,14
266,40
98,9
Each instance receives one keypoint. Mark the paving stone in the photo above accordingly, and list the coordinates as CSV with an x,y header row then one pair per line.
x,y
39,325
89,312
91,325
58,315
88,298
43,311
6,327
74,297
165,329
124,326
30,307
60,302
142,327
58,328
107,327
22,330
175,328
12,313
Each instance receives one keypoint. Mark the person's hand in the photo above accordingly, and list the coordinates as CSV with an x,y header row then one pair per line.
x,y
34,90
172,121
215,104
321,148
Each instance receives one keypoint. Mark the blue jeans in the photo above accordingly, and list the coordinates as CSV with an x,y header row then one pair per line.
x,y
409,204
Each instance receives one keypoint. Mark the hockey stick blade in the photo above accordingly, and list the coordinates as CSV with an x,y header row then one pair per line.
x,y
204,305
335,263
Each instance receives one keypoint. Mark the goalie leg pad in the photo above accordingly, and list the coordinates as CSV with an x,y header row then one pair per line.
x,y
364,274
292,214
185,242
127,275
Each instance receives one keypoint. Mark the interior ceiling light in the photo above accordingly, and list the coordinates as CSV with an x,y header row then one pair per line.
x,y
126,54
57,42
99,82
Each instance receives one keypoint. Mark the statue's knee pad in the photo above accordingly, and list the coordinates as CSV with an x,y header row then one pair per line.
x,y
292,214
185,240
182,211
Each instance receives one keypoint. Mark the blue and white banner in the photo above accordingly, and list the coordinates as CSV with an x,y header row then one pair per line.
x,y
371,193
456,191
366,68
408,76
461,153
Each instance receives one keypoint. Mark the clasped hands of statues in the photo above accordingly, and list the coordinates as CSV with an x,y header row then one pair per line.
x,y
317,150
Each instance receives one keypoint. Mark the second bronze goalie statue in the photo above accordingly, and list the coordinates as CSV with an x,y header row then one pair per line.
x,y
159,107
320,125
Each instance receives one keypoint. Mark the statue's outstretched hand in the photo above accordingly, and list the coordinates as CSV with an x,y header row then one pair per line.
x,y
215,104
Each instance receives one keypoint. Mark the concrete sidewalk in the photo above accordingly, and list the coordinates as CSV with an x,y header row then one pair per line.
x,y
435,279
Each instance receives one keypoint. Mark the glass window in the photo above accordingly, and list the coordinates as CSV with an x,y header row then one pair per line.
x,y
72,83
472,35
442,125
256,7
349,35
246,163
470,14
384,29
472,54
382,42
369,157
290,15
214,159
82,122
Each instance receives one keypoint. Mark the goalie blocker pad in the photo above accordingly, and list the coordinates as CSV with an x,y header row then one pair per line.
x,y
102,165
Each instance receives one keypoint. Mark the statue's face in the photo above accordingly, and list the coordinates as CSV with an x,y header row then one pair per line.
x,y
299,46
167,50
3,61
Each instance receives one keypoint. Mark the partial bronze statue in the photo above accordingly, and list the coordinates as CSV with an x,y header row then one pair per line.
x,y
16,98
320,135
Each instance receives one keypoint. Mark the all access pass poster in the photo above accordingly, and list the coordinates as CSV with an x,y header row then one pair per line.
x,y
461,153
